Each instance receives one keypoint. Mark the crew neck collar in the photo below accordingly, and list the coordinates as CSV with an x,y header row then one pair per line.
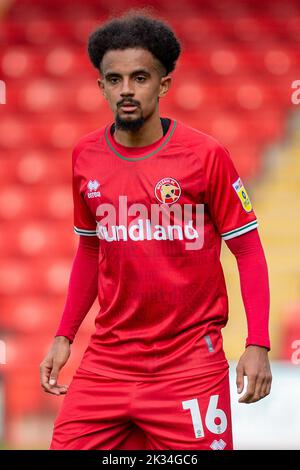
x,y
138,153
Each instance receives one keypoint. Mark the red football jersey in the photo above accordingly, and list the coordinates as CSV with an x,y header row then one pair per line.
x,y
160,212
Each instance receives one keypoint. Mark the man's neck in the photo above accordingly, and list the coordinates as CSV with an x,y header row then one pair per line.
x,y
150,132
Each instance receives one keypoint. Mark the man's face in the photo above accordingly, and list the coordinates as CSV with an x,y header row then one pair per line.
x,y
133,80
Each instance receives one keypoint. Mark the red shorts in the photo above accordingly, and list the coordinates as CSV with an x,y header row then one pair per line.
x,y
103,413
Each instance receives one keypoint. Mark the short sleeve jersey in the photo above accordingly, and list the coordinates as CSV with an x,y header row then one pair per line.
x,y
160,213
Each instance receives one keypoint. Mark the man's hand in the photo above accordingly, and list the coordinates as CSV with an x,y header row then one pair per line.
x,y
51,365
254,363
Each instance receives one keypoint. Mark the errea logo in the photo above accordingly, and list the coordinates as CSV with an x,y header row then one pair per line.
x,y
218,445
92,187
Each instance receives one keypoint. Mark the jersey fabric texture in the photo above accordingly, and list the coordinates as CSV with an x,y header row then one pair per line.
x,y
104,413
253,271
162,305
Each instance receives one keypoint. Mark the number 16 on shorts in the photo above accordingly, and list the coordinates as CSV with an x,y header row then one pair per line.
x,y
213,414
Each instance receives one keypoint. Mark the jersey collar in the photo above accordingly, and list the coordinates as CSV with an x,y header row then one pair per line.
x,y
128,153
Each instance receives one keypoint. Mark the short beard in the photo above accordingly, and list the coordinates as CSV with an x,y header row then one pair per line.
x,y
132,126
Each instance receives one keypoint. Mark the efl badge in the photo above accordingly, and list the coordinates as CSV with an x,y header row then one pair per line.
x,y
167,190
242,194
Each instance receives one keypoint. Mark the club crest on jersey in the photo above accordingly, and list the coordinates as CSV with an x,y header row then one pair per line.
x,y
242,194
167,190
92,187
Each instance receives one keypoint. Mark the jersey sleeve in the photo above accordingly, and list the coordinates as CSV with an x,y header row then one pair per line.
x,y
84,222
229,204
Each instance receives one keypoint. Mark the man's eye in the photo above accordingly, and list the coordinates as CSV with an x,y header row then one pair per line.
x,y
140,78
113,79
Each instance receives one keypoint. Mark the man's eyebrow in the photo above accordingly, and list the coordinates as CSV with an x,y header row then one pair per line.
x,y
135,72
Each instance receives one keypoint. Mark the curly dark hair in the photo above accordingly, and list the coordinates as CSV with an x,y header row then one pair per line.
x,y
135,29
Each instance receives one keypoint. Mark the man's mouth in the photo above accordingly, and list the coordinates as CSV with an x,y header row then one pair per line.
x,y
128,107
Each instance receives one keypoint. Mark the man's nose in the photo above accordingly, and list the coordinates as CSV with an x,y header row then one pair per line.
x,y
126,88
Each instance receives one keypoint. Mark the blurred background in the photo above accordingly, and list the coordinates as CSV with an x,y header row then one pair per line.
x,y
234,80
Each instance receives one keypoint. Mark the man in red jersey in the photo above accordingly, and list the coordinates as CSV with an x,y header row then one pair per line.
x,y
153,199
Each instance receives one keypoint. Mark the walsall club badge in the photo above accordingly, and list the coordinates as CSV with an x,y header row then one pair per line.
x,y
167,190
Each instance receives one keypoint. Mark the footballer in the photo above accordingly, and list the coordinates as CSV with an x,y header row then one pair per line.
x,y
153,200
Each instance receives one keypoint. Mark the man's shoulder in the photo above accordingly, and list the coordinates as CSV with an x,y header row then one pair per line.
x,y
85,141
196,139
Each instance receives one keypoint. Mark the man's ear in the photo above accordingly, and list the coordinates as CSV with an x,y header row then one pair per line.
x,y
101,86
165,84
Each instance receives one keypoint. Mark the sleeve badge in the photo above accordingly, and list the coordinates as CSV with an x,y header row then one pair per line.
x,y
242,194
